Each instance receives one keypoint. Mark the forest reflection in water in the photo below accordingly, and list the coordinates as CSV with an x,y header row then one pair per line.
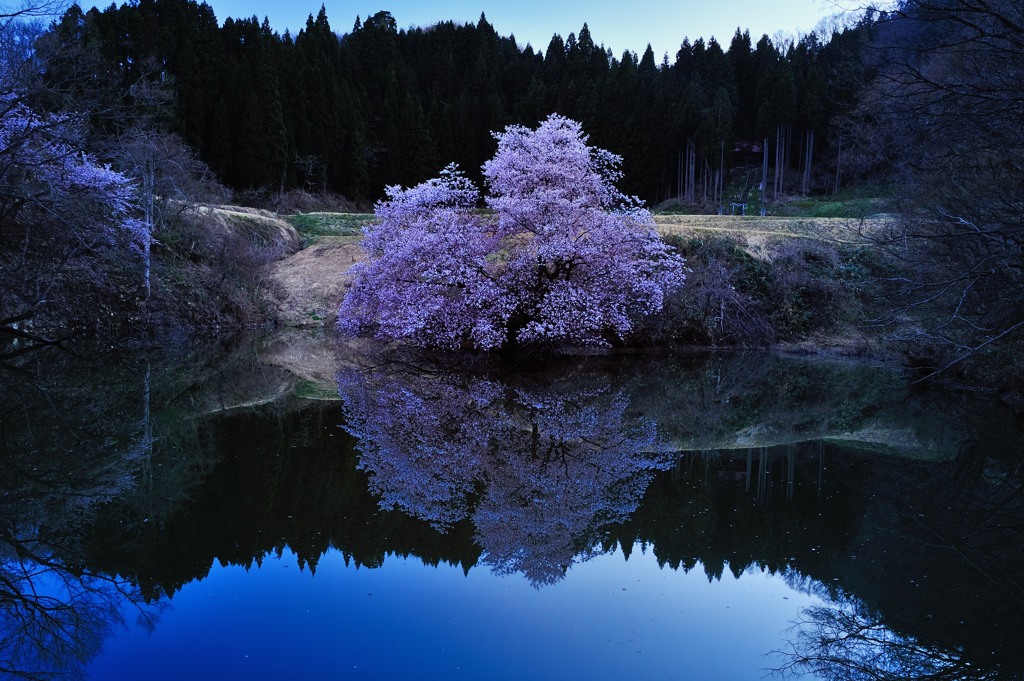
x,y
124,479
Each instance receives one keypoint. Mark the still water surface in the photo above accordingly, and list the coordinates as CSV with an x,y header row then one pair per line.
x,y
609,618
287,508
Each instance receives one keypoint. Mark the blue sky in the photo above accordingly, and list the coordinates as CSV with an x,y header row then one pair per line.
x,y
619,25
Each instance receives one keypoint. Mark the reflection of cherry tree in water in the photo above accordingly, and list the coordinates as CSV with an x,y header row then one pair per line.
x,y
538,471
578,464
421,443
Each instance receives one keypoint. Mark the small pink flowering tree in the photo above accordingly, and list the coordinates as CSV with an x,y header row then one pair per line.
x,y
56,204
565,258
42,169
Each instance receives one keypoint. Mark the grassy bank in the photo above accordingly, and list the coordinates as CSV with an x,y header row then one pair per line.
x,y
755,281
314,227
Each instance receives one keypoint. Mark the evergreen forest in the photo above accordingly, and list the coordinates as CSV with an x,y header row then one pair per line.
x,y
352,112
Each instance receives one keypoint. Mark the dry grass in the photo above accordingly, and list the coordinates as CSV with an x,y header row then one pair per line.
x,y
260,224
757,232
309,285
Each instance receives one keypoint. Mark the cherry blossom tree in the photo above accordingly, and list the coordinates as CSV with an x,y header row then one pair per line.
x,y
54,197
66,217
44,169
564,259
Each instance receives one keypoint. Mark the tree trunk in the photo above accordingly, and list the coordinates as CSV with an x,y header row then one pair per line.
x,y
839,163
775,164
149,215
679,175
764,173
808,157
691,170
721,176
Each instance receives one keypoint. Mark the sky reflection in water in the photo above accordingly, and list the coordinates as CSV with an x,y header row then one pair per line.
x,y
610,618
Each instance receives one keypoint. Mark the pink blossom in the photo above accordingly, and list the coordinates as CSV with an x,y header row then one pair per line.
x,y
564,259
43,166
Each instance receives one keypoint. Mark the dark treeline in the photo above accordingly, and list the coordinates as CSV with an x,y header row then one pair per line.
x,y
350,113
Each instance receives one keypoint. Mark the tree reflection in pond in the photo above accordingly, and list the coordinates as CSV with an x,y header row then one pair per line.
x,y
552,473
54,617
78,438
845,642
55,611
538,470
932,587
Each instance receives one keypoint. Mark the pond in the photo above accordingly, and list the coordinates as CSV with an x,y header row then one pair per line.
x,y
287,506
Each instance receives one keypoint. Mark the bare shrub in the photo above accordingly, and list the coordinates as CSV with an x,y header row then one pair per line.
x,y
792,289
808,292
300,201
